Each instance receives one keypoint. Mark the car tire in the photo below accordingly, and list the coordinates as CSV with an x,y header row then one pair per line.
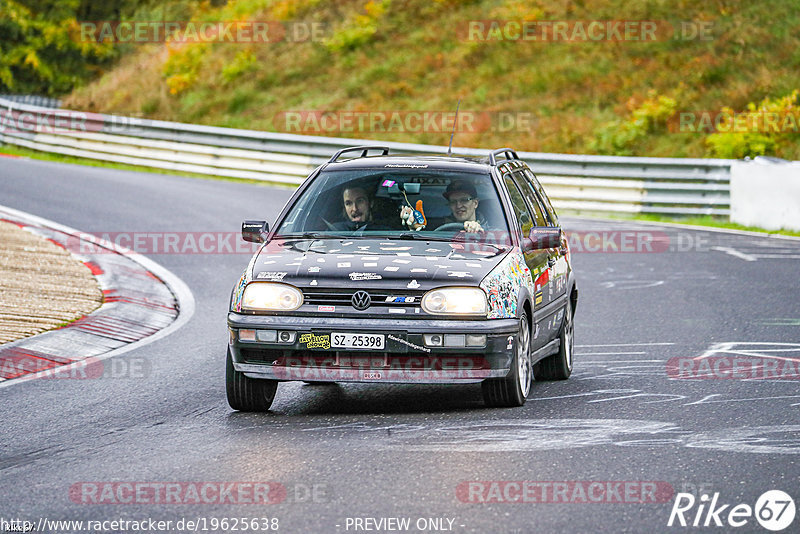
x,y
513,390
559,365
248,394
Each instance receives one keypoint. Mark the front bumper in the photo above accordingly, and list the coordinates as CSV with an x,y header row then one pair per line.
x,y
404,359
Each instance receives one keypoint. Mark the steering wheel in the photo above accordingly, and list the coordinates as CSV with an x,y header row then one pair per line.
x,y
451,226
329,225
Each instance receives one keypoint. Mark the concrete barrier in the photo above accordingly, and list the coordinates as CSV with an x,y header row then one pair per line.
x,y
765,192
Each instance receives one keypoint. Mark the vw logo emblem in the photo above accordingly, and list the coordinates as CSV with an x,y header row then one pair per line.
x,y
361,300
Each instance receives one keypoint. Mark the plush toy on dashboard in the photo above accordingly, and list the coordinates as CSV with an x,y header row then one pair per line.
x,y
413,218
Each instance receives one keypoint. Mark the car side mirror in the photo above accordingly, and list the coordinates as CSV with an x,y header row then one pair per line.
x,y
542,237
255,231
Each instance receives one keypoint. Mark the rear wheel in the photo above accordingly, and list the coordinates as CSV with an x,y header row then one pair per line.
x,y
513,390
248,394
559,365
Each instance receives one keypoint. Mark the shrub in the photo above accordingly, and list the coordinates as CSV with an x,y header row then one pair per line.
x,y
244,62
41,51
620,136
358,30
748,134
183,66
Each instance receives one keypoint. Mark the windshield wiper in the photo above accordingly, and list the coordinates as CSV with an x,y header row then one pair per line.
x,y
416,235
312,235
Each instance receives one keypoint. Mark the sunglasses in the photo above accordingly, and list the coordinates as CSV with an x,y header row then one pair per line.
x,y
456,201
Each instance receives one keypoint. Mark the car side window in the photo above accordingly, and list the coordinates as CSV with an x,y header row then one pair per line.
x,y
533,202
543,196
524,219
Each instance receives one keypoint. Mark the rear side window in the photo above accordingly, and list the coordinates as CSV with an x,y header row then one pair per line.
x,y
524,219
533,202
543,196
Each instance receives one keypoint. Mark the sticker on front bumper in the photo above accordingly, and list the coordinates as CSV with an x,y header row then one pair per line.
x,y
312,341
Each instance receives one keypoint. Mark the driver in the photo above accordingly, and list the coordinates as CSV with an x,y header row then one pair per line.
x,y
463,201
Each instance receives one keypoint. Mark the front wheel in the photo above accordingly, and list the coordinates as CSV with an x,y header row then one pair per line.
x,y
248,394
559,365
513,390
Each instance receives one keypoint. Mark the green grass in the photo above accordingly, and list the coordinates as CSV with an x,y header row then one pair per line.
x,y
715,222
60,158
705,220
418,60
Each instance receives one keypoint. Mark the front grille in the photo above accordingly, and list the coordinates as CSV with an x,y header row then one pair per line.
x,y
340,297
260,355
383,360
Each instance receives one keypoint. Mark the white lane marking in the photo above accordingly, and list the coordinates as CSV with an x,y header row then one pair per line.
x,y
762,235
778,439
752,399
736,253
183,295
778,256
623,345
620,361
704,399
741,347
759,355
605,353
631,284
673,397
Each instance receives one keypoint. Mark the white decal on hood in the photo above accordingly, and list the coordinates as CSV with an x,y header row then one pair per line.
x,y
271,275
365,276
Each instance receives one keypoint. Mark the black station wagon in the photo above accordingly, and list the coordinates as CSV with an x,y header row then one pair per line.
x,y
406,269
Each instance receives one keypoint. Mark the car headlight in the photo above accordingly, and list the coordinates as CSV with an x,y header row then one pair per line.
x,y
455,301
271,296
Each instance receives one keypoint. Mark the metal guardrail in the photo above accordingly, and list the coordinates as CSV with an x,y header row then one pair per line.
x,y
574,182
33,100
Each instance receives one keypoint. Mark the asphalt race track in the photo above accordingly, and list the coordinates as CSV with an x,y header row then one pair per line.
x,y
350,454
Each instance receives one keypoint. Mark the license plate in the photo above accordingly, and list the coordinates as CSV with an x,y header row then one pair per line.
x,y
343,340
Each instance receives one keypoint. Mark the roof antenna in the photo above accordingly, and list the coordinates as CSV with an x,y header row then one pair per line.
x,y
455,121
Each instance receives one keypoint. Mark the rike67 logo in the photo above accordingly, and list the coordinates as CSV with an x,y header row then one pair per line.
x,y
774,510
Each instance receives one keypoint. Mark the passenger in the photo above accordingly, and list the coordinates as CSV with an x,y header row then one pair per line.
x,y
357,209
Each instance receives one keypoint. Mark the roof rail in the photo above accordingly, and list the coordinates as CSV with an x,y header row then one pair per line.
x,y
363,149
507,153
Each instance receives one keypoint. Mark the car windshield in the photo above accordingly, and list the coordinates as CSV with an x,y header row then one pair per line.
x,y
370,203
